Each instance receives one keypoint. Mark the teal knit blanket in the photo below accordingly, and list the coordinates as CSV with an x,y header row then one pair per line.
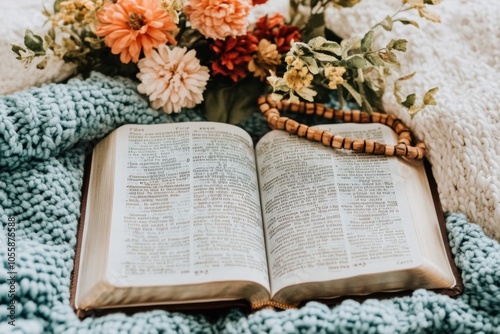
x,y
44,135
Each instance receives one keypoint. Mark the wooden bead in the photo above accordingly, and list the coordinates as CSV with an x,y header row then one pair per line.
x,y
412,153
264,107
337,141
320,110
310,133
379,148
292,126
271,111
302,130
358,145
383,119
318,135
347,116
310,108
327,138
405,135
262,99
328,113
281,123
273,120
339,115
389,150
400,127
348,143
356,116
369,146
400,150
294,107
365,117
313,110
376,117
390,121
421,153
404,141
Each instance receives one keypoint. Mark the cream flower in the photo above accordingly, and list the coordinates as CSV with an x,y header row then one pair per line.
x,y
334,75
219,19
172,78
298,79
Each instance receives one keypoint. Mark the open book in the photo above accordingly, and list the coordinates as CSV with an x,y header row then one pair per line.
x,y
190,213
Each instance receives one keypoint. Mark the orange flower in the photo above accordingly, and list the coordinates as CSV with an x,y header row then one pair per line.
x,y
219,19
129,26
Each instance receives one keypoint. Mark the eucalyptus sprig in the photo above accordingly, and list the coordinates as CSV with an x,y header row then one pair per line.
x,y
354,68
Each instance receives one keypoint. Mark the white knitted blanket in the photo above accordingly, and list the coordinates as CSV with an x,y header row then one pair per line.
x,y
461,56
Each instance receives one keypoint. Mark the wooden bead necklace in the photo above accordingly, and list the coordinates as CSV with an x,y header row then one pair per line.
x,y
271,110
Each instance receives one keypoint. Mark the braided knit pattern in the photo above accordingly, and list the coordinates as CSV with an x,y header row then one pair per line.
x,y
44,134
460,55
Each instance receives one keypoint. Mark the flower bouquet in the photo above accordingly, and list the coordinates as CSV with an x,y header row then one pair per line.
x,y
185,52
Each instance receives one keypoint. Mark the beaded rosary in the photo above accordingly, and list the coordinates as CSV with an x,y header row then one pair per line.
x,y
271,110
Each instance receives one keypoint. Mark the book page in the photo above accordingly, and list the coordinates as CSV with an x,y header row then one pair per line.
x,y
187,207
328,212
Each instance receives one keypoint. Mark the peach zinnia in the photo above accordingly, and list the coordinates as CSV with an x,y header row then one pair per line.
x,y
129,26
219,19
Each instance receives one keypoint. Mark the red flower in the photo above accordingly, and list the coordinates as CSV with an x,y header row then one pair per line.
x,y
233,55
258,2
273,28
284,36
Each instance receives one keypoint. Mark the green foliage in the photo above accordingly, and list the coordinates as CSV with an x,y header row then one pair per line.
x,y
364,69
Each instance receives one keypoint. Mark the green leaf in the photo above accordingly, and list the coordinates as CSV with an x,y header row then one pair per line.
x,y
353,92
324,57
367,41
347,45
322,44
387,23
389,57
400,45
356,62
429,97
307,94
33,42
17,49
231,102
374,59
410,101
406,77
340,91
303,49
406,22
311,64
317,42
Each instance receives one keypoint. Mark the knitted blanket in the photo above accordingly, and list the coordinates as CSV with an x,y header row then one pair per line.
x,y
44,134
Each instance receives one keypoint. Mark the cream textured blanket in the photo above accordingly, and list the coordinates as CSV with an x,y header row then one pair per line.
x,y
461,56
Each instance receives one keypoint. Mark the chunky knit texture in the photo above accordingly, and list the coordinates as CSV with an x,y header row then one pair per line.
x,y
44,134
461,55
